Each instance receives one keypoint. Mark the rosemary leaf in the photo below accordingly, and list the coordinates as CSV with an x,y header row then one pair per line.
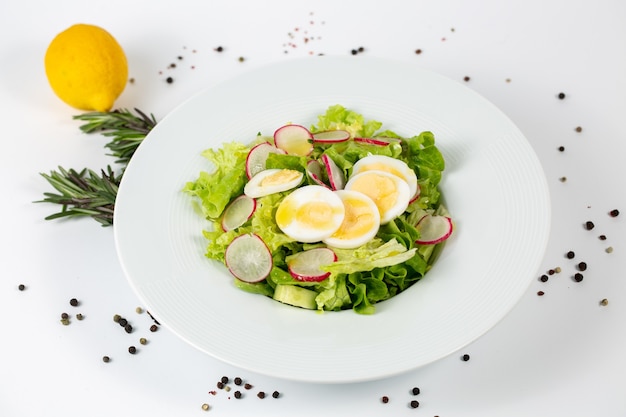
x,y
126,130
86,193
83,193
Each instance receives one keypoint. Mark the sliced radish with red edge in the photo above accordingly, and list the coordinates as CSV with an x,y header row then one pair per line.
x,y
294,139
257,157
377,141
314,171
238,212
248,258
416,195
306,266
331,136
433,229
336,176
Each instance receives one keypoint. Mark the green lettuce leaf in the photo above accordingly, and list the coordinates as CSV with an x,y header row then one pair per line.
x,y
216,189
338,117
374,254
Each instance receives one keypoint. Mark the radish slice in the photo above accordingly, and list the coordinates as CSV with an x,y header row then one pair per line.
x,y
376,141
294,139
433,229
314,171
336,176
248,258
416,195
306,266
255,161
238,212
331,136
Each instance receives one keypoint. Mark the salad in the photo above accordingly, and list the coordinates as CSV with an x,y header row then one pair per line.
x,y
339,215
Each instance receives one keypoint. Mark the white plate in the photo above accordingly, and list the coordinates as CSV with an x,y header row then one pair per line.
x,y
493,184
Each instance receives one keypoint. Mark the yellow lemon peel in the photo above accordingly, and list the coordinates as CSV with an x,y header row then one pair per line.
x,y
86,67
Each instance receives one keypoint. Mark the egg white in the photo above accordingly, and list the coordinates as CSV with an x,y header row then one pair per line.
x,y
361,221
310,214
270,181
388,164
390,193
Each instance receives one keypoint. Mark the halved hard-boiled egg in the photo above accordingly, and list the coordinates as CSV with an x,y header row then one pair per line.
x,y
388,164
310,214
270,181
360,223
390,193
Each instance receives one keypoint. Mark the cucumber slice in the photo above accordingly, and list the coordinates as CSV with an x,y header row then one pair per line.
x,y
295,296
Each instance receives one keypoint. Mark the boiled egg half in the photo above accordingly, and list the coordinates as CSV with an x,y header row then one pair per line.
x,y
390,193
270,181
391,165
310,213
360,223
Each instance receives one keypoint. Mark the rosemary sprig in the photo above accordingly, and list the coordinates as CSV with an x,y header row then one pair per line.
x,y
86,192
126,129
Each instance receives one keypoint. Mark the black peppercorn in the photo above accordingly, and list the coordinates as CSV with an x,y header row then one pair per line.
x,y
21,287
415,404
415,391
219,49
224,380
543,278
73,302
65,316
220,384
169,80
385,399
153,328
614,213
132,350
128,328
465,357
238,381
106,359
275,394
561,148
561,96
122,322
578,277
589,225
582,266
570,255
237,394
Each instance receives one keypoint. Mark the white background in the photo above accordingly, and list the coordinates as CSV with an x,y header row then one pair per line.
x,y
562,354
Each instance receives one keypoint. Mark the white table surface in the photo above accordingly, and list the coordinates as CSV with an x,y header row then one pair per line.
x,y
562,354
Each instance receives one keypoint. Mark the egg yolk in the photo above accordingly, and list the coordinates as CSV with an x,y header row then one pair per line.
x,y
312,214
358,220
280,177
380,189
379,166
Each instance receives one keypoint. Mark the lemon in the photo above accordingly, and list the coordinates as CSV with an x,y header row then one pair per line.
x,y
86,67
